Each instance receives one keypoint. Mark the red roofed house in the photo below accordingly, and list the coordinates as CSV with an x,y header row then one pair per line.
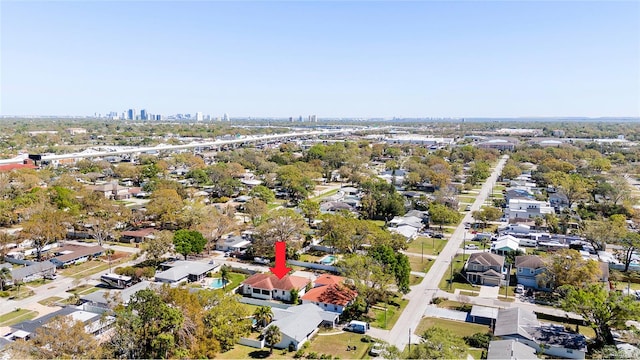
x,y
26,164
268,287
330,294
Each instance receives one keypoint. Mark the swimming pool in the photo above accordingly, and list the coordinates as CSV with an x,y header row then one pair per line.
x,y
217,283
328,260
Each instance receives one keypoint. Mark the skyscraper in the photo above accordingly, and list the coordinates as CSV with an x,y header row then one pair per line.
x,y
131,114
144,115
199,116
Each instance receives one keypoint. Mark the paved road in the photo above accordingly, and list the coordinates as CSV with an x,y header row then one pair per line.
x,y
421,294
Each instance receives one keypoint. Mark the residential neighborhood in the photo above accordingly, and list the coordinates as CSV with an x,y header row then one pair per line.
x,y
391,239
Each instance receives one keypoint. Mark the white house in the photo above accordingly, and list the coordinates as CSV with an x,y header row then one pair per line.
x,y
505,244
527,209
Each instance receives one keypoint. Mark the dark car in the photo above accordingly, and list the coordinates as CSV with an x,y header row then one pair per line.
x,y
438,236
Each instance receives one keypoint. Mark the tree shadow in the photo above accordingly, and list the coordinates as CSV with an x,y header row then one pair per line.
x,y
259,354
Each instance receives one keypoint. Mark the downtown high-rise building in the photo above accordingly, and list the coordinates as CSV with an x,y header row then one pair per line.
x,y
131,114
144,115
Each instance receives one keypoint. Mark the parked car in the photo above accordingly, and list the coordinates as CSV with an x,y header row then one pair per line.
x,y
519,289
438,236
471,247
376,349
468,208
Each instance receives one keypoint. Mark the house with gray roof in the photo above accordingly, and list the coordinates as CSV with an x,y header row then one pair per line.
x,y
298,324
110,298
510,350
182,270
528,268
484,269
549,339
94,322
31,272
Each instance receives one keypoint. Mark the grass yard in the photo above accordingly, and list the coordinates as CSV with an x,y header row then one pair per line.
x,y
430,246
336,345
458,282
17,316
417,264
458,327
415,280
50,301
324,195
86,269
83,289
394,309
234,280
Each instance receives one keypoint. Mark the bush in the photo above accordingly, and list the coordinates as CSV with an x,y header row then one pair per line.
x,y
312,355
299,354
366,339
437,300
4,294
479,340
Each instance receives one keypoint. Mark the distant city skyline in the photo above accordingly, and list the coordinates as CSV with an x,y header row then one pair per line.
x,y
350,59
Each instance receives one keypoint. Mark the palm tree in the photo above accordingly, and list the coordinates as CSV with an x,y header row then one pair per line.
x,y
263,315
224,276
272,336
5,274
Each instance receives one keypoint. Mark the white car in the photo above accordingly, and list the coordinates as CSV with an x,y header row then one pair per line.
x,y
471,247
519,289
376,349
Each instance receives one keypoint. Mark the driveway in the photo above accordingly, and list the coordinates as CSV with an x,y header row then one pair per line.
x,y
489,292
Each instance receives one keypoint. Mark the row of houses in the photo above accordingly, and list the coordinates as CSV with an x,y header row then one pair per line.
x,y
485,268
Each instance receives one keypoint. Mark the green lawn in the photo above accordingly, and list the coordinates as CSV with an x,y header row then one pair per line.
x,y
415,280
83,289
234,280
459,282
417,264
430,246
50,301
17,316
324,195
394,309
86,269
335,345
458,327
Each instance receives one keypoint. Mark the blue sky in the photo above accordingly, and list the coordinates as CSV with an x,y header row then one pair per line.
x,y
333,59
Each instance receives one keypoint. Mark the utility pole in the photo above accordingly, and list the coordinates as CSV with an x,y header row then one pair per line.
x,y
422,259
409,340
451,277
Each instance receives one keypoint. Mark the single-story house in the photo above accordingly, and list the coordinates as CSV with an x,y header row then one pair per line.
x,y
233,243
552,340
330,294
484,269
267,286
136,236
110,298
505,244
510,350
31,272
75,254
182,270
95,323
407,231
298,324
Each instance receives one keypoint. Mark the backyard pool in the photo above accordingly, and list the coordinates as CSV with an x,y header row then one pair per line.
x,y
328,260
217,283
